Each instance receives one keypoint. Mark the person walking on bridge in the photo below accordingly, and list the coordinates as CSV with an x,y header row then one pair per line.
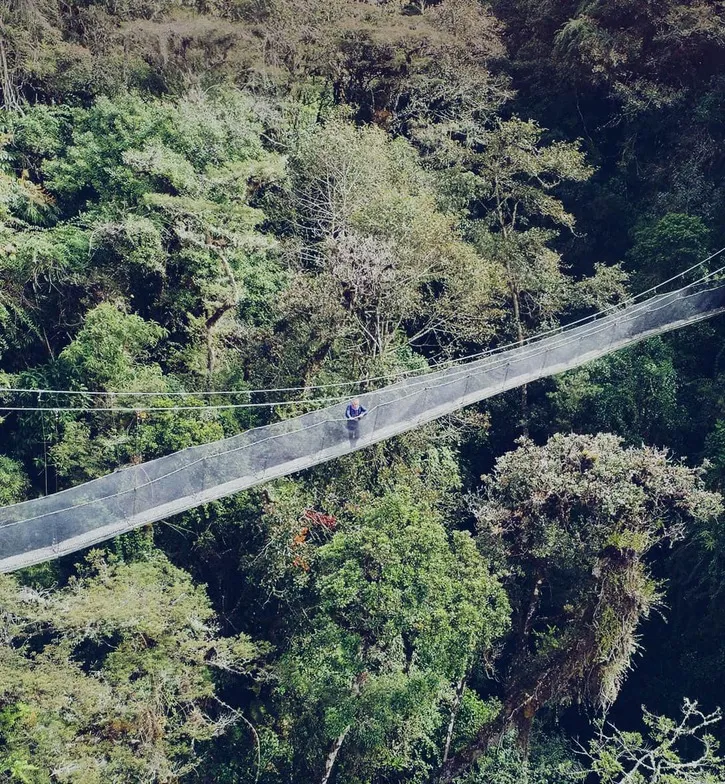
x,y
354,412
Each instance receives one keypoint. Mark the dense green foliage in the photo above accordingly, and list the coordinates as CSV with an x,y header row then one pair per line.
x,y
236,195
110,676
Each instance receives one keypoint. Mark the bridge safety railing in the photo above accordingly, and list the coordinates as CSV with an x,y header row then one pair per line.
x,y
48,527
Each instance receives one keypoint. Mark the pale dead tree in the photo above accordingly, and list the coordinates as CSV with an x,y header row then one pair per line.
x,y
376,245
332,197
376,289
332,754
336,183
458,698
674,752
369,295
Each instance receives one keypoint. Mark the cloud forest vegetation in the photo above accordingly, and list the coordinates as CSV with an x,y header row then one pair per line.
x,y
235,195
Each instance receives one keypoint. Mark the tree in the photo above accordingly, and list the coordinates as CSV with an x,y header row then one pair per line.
x,y
514,177
633,393
550,760
455,79
573,522
666,756
668,246
613,756
22,203
112,353
381,264
403,612
13,481
649,62
111,677
504,178
137,275
112,350
396,64
162,191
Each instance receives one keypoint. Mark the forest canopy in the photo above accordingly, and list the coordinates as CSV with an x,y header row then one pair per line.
x,y
201,200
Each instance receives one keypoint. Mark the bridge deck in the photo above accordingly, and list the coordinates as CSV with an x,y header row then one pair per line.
x,y
49,527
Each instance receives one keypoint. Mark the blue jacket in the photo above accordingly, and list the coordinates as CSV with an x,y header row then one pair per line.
x,y
355,413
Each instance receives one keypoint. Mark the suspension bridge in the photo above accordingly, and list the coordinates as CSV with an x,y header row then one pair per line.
x,y
61,523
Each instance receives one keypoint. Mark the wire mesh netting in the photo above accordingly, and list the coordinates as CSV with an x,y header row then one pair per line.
x,y
55,525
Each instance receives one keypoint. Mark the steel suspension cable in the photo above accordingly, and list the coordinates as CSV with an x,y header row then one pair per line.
x,y
568,337
305,401
500,361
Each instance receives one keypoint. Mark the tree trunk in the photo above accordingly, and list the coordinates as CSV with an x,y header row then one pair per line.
x,y
11,100
524,722
520,339
335,749
210,353
228,304
332,755
460,688
528,610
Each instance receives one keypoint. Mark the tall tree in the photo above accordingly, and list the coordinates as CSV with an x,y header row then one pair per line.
x,y
403,613
574,521
376,255
505,178
111,677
